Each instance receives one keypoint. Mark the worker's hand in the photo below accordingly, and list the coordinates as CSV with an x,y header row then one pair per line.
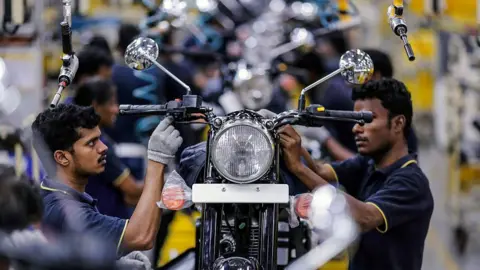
x,y
164,142
135,260
291,144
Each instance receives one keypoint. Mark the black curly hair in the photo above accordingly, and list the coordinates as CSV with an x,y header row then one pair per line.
x,y
58,128
394,96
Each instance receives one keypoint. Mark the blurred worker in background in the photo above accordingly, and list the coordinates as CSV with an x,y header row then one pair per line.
x,y
93,62
134,87
68,140
21,209
114,187
21,212
389,195
21,205
101,43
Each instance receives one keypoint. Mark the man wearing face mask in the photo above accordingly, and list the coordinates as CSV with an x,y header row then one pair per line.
x,y
67,139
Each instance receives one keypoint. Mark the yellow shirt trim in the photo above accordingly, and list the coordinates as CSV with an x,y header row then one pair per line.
x,y
384,218
121,236
51,189
334,173
412,161
408,163
122,177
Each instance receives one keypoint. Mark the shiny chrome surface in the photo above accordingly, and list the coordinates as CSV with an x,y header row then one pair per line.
x,y
302,36
234,263
219,164
141,52
357,65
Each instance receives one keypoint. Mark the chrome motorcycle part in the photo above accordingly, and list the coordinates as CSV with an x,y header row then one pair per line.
x,y
234,263
217,122
227,244
355,66
253,87
242,151
140,52
362,66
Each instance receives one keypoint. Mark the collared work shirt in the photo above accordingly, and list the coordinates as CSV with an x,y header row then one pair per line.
x,y
67,210
401,192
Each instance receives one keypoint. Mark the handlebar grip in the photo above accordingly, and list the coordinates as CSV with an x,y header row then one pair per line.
x,y
319,110
132,109
362,115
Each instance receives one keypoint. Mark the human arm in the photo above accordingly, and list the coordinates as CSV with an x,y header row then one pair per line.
x,y
131,189
366,215
290,141
316,175
142,227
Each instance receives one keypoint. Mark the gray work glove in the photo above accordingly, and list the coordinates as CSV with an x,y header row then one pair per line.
x,y
135,260
164,142
266,113
24,238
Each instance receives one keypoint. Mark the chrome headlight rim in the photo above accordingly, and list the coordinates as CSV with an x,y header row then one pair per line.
x,y
242,122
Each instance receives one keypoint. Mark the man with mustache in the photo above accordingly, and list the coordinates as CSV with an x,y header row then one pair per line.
x,y
388,194
67,138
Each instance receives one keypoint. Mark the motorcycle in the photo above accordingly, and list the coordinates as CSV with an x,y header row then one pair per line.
x,y
241,190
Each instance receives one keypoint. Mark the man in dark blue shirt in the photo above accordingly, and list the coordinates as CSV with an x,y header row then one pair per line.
x,y
68,138
337,96
388,194
115,188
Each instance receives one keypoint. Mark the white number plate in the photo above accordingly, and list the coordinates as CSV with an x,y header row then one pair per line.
x,y
236,193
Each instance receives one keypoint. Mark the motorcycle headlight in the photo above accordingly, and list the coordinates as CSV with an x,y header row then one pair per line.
x,y
242,151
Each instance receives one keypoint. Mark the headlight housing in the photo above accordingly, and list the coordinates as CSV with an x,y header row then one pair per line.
x,y
242,151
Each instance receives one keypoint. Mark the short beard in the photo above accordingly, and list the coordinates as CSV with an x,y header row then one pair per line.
x,y
381,151
81,173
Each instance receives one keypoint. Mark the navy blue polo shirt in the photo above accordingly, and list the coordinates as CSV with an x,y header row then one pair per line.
x,y
69,211
104,186
401,192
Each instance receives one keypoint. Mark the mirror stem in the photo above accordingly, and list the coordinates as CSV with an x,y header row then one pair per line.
x,y
154,61
301,100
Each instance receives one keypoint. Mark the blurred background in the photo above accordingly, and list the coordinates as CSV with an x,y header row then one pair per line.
x,y
247,55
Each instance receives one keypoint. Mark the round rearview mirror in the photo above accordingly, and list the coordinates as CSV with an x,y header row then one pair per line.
x,y
302,36
357,65
140,53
